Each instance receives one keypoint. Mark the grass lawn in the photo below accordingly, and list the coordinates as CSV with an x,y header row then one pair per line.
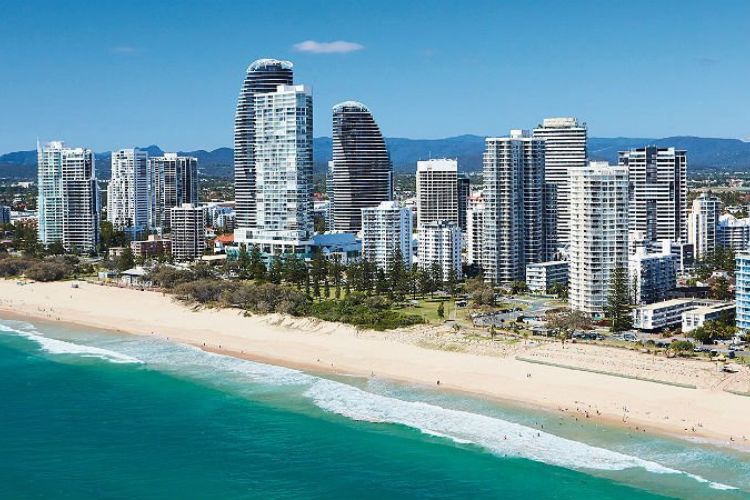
x,y
427,308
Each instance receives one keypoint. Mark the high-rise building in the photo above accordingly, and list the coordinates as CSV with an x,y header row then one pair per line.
x,y
130,192
188,231
703,221
437,191
474,231
440,244
68,201
564,149
263,76
464,192
550,222
386,228
658,191
361,171
733,233
598,234
742,291
175,183
514,206
652,275
283,164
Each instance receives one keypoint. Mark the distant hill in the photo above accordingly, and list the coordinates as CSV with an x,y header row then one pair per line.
x,y
703,153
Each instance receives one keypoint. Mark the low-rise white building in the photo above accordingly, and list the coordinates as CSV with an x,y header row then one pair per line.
x,y
660,315
707,311
540,276
440,243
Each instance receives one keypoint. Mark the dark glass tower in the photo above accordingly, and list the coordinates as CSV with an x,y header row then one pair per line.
x,y
263,76
362,173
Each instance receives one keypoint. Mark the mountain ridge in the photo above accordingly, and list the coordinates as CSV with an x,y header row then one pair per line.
x,y
703,153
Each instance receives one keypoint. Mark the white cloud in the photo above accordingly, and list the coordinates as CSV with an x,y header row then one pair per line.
x,y
337,47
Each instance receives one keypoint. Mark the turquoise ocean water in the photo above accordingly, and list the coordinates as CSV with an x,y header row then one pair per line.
x,y
88,414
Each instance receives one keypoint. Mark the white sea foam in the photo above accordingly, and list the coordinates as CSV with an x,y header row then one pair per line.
x,y
494,434
55,346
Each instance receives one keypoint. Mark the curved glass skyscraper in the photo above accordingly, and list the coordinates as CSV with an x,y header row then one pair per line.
x,y
361,171
263,76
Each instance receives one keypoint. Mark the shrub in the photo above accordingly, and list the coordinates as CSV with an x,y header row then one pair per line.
x,y
204,291
14,266
48,271
169,277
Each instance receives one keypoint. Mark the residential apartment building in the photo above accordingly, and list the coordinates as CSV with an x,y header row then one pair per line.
x,y
540,276
130,193
385,229
188,232
742,290
440,244
658,191
565,149
175,182
282,164
437,191
651,275
706,311
68,197
474,232
598,234
463,192
262,76
361,173
513,232
733,233
703,222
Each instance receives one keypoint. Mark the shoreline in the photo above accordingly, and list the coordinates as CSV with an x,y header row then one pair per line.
x,y
328,348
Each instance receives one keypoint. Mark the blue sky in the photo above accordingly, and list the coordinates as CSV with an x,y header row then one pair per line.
x,y
110,74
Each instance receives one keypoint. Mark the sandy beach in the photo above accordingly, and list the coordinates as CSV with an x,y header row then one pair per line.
x,y
518,373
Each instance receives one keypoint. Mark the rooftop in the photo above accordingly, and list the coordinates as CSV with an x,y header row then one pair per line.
x,y
269,63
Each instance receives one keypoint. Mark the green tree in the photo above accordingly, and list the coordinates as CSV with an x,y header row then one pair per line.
x,y
276,271
441,310
55,248
564,323
559,290
618,301
318,272
125,260
257,266
381,282
719,289
397,276
244,267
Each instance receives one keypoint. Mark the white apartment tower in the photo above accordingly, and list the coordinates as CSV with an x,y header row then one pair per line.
x,y
68,202
703,222
513,232
283,164
175,182
440,243
564,149
658,192
474,231
188,231
130,192
598,234
437,191
384,229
